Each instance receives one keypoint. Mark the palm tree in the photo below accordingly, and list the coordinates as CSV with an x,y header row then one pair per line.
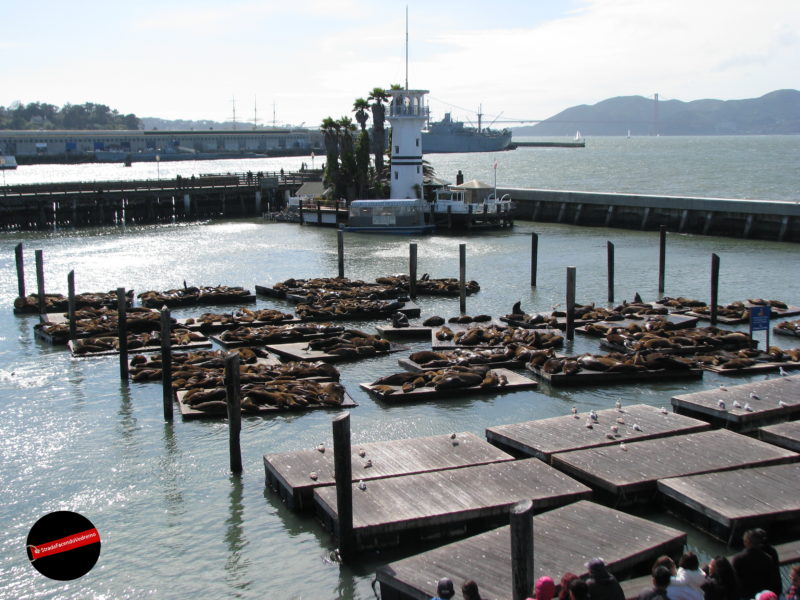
x,y
360,107
348,175
378,97
330,131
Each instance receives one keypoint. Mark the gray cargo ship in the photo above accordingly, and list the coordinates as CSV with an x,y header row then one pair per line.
x,y
448,135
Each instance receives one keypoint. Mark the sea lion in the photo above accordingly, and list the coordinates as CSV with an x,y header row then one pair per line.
x,y
433,321
399,320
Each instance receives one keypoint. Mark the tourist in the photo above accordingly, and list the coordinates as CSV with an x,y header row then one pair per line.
x,y
602,584
666,562
444,589
578,590
687,583
766,595
776,583
563,587
544,589
661,581
469,590
722,582
754,566
794,584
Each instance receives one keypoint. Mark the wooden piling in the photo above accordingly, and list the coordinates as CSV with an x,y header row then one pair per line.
x,y
412,270
662,259
610,254
166,364
340,249
232,393
534,257
300,208
40,279
522,549
20,270
122,332
71,305
343,472
462,277
571,303
714,287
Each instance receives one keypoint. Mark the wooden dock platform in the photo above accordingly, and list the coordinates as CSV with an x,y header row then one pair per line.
x,y
726,504
301,351
411,332
590,377
630,472
447,503
564,540
777,400
545,437
785,435
289,473
188,413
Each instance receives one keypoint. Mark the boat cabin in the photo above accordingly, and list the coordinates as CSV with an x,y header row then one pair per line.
x,y
395,216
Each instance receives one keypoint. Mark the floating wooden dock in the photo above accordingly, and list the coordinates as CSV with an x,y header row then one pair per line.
x,y
785,435
589,377
188,413
675,320
725,504
289,473
388,512
195,345
411,332
301,351
545,437
564,540
627,473
778,400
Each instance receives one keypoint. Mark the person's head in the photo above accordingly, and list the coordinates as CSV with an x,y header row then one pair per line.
x,y
661,577
689,561
720,568
666,562
544,589
578,589
753,538
563,587
597,568
469,590
445,589
766,595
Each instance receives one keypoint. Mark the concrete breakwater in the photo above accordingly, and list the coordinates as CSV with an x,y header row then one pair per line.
x,y
759,219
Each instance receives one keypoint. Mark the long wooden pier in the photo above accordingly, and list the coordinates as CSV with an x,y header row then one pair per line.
x,y
446,503
543,438
295,475
564,540
630,471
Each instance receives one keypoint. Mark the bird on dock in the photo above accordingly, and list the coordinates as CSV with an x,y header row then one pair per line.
x,y
321,448
747,407
620,420
452,436
722,387
362,453
736,404
575,411
368,464
614,429
313,475
664,411
783,372
721,404
782,404
622,446
610,436
636,427
361,485
618,405
593,415
589,424
754,396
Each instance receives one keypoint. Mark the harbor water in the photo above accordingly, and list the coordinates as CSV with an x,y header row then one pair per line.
x,y
173,521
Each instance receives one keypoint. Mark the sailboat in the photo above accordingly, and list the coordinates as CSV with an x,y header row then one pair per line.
x,y
578,136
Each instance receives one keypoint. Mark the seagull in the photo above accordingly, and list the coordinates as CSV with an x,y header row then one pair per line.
x,y
782,404
368,464
736,404
362,453
313,475
722,387
614,429
618,405
664,411
783,372
622,446
593,415
621,421
754,396
610,436
361,485
589,424
721,404
321,448
747,407
636,427
575,411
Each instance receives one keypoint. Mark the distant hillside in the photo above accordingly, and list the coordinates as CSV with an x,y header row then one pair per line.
x,y
774,113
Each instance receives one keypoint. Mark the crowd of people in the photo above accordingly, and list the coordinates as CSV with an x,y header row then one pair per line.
x,y
752,574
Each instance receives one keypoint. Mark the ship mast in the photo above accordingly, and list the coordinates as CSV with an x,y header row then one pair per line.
x,y
406,47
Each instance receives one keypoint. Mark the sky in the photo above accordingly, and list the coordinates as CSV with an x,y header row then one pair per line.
x,y
300,61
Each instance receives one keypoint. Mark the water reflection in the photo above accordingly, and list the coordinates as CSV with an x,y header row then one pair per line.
x,y
127,424
170,476
236,563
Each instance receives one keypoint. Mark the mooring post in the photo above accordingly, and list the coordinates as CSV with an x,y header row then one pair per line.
x,y
166,364
662,259
232,393
71,305
714,287
122,332
462,277
570,303
412,268
300,208
522,549
610,252
40,279
534,257
20,270
340,250
343,474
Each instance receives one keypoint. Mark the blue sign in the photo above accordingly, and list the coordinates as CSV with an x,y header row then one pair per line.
x,y
759,318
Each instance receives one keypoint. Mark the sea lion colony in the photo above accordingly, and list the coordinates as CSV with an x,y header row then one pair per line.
x,y
178,337
100,321
325,288
447,379
650,323
271,334
346,308
240,316
614,362
497,335
279,394
634,337
791,326
351,343
191,295
511,354
447,286
739,309
58,302
747,357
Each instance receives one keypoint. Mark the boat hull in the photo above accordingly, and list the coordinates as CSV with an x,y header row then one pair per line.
x,y
439,143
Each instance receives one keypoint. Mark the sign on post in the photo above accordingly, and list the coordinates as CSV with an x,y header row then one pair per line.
x,y
759,320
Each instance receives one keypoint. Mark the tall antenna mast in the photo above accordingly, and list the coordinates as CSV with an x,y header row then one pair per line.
x,y
233,102
255,112
273,115
406,46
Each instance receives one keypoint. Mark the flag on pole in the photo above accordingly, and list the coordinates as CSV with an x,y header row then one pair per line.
x,y
495,165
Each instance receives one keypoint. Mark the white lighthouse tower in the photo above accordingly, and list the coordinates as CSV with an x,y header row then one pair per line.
x,y
407,115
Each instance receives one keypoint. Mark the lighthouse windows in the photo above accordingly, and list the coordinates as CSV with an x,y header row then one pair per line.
x,y
396,176
417,142
397,149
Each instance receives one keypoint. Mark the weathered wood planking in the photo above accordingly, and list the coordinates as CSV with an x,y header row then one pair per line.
x,y
410,365
471,498
289,472
774,313
545,437
785,435
564,540
759,367
197,345
515,383
589,377
188,413
301,351
409,309
767,409
411,332
633,469
733,501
